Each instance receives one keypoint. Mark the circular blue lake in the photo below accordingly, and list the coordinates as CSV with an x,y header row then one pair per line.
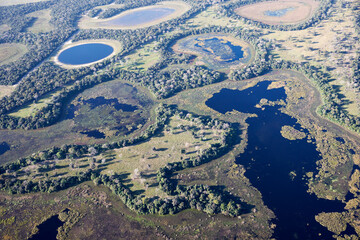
x,y
85,53
141,17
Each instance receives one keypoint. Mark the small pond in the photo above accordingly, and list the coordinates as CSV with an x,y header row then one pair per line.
x,y
48,229
4,147
85,53
140,17
217,51
275,165
278,13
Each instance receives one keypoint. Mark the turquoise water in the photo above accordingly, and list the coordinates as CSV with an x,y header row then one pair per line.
x,y
141,17
85,53
278,13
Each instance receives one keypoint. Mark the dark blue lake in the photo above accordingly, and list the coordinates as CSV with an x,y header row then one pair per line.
x,y
85,53
269,158
141,17
48,229
278,13
4,147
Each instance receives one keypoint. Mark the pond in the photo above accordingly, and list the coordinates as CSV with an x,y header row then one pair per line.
x,y
216,50
85,53
48,229
278,13
4,147
141,17
275,165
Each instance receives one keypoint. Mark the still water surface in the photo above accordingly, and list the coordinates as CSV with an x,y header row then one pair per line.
x,y
85,53
269,158
141,17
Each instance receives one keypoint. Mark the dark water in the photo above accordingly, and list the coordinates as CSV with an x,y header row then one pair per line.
x,y
278,13
85,53
269,158
225,50
100,101
4,147
48,229
141,17
94,133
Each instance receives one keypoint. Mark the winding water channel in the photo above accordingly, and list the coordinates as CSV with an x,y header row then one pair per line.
x,y
269,158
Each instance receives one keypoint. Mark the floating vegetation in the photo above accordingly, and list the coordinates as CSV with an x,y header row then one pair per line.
x,y
291,133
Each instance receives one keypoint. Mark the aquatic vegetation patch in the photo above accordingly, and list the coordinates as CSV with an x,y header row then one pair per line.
x,y
218,51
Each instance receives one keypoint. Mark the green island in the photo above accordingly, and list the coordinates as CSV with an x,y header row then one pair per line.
x,y
221,119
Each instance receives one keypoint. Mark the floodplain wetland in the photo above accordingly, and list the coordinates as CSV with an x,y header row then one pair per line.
x,y
179,119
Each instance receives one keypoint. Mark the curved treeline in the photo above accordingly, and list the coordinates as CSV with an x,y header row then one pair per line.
x,y
321,13
201,197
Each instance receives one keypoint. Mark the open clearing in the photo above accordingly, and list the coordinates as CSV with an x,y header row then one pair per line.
x,y
6,90
330,45
116,45
32,108
4,27
279,12
180,8
141,59
10,52
42,22
15,2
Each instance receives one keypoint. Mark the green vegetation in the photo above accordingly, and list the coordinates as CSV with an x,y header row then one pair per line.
x,y
291,133
166,160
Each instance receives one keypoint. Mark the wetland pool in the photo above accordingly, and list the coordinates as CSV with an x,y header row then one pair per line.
x,y
275,165
278,13
85,53
218,51
140,17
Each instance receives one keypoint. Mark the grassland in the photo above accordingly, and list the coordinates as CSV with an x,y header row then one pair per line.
x,y
141,59
303,9
42,22
4,27
139,163
179,6
10,52
6,90
116,45
330,45
15,2
32,108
